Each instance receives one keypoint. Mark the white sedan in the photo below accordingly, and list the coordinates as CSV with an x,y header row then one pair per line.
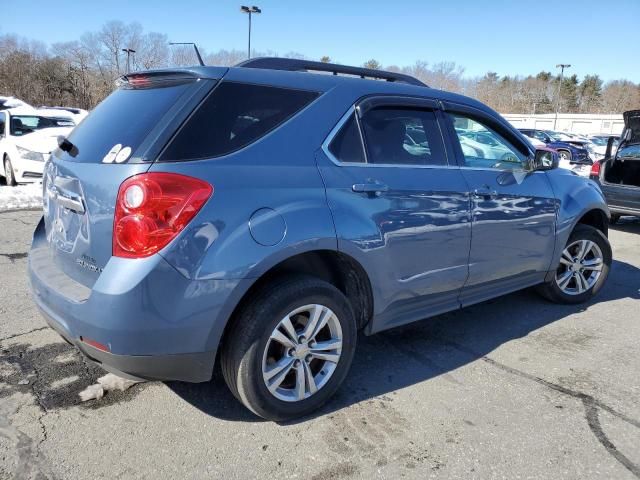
x,y
26,141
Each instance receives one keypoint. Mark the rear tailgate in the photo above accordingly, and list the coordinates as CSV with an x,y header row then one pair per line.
x,y
120,138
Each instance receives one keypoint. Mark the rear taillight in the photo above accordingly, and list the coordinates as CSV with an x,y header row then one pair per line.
x,y
595,169
152,208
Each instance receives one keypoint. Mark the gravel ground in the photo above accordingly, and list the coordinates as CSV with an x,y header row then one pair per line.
x,y
512,388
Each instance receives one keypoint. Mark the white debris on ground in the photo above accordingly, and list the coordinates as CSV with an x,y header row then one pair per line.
x,y
20,197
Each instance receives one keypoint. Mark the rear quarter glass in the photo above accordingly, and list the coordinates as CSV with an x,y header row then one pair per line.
x,y
233,116
124,120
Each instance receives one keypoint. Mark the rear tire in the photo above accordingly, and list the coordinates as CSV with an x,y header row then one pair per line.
x,y
583,269
268,335
8,172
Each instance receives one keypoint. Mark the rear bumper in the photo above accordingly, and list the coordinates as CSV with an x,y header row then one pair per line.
x,y
621,200
620,210
155,323
189,367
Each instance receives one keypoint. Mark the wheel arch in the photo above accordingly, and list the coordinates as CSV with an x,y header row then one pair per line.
x,y
596,218
337,268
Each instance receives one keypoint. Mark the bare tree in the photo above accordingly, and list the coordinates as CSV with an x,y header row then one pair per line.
x,y
373,64
152,51
82,72
225,58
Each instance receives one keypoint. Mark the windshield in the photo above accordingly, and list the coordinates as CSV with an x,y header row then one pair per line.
x,y
602,141
555,136
24,124
629,151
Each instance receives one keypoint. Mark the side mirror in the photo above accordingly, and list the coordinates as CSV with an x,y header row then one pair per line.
x,y
544,159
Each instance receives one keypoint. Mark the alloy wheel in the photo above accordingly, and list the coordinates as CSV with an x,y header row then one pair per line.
x,y
302,353
580,267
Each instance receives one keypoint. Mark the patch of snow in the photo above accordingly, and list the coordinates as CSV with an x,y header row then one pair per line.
x,y
21,197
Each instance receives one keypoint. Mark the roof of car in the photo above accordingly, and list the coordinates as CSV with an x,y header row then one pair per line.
x,y
322,82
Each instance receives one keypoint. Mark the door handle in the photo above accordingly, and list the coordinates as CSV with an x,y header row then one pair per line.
x,y
370,188
485,193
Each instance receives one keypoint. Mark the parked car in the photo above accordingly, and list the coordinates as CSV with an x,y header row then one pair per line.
x,y
598,145
619,174
12,102
75,114
26,140
569,150
263,214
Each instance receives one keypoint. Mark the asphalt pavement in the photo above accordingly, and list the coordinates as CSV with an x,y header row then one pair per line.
x,y
512,388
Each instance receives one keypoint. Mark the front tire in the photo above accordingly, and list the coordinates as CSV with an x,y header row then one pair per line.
x,y
565,155
290,348
584,267
8,173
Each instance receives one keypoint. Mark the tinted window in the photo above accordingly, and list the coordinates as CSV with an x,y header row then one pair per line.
x,y
346,146
125,117
2,123
403,136
233,116
629,151
483,147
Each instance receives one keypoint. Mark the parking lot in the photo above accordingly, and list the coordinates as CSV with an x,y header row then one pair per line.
x,y
512,388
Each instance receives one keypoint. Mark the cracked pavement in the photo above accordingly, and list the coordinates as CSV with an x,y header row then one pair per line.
x,y
512,388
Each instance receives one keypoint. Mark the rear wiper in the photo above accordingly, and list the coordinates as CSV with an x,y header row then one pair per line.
x,y
66,146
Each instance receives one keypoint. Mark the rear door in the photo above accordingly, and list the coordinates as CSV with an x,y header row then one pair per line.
x,y
513,212
119,139
399,206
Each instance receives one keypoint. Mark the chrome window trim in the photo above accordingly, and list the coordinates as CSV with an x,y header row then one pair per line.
x,y
334,131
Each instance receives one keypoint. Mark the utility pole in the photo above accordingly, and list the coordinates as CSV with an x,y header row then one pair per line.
x,y
128,51
250,11
561,66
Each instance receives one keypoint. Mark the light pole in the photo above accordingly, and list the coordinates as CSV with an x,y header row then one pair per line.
x,y
561,66
128,51
250,10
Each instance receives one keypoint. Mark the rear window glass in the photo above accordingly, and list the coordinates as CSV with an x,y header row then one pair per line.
x,y
346,146
125,117
233,116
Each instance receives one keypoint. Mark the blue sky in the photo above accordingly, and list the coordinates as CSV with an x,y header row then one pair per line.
x,y
509,37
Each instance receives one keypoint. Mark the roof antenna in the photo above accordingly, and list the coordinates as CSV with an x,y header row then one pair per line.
x,y
195,47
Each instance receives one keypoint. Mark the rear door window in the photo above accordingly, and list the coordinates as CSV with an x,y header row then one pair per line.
x,y
403,136
233,116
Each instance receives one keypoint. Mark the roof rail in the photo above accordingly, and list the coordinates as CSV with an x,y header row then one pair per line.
x,y
293,64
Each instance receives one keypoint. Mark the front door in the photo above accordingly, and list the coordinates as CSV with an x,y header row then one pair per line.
x,y
513,211
400,208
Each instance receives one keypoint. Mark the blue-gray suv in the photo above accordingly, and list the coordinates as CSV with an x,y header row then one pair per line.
x,y
264,214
